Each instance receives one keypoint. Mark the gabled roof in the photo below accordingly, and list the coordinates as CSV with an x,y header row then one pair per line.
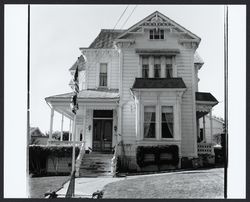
x,y
166,19
144,83
202,96
81,64
105,39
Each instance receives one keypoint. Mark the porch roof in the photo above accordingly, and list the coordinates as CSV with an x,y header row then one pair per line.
x,y
89,94
144,83
205,97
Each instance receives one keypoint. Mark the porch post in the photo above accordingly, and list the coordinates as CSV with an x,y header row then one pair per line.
x,y
61,138
151,66
51,123
119,129
204,129
69,139
211,125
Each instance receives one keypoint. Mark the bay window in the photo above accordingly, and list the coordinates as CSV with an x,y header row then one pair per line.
x,y
158,67
149,122
167,122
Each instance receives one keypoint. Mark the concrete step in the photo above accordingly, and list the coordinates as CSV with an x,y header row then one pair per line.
x,y
96,164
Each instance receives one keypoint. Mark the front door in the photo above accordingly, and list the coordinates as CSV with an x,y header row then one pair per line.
x,y
102,135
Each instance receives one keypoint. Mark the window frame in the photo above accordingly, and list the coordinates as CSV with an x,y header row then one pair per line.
x,y
153,33
155,122
99,76
173,133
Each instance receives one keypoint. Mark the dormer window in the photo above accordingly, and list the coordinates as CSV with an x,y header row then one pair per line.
x,y
156,34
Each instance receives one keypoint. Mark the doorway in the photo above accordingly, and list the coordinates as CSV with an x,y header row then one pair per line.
x,y
102,130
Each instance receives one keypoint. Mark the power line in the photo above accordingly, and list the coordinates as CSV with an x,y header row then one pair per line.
x,y
129,16
120,17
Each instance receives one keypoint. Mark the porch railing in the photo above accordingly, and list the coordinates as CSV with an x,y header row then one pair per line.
x,y
205,148
65,143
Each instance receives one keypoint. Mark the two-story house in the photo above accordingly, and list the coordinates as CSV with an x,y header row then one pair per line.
x,y
139,85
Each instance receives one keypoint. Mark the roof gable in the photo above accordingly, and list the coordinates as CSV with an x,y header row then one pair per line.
x,y
158,20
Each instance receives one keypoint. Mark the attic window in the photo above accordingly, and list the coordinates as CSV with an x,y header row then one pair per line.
x,y
156,34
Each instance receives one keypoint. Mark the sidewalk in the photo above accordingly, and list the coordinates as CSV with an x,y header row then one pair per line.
x,y
86,186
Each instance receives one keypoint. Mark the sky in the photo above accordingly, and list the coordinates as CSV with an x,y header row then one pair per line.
x,y
58,31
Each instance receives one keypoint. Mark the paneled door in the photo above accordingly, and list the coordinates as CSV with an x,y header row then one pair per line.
x,y
102,135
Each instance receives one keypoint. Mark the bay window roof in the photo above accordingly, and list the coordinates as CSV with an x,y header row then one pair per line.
x,y
144,83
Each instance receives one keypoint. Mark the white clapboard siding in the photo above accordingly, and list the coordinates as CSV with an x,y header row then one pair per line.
x,y
130,71
185,70
93,63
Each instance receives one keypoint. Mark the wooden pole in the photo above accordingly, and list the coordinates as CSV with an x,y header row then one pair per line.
x,y
74,146
28,106
226,96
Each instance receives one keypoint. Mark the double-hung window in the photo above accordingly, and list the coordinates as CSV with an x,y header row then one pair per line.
x,y
169,67
149,122
167,122
145,67
157,67
103,75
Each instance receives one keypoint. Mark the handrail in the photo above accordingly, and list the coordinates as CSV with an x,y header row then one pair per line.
x,y
79,158
114,161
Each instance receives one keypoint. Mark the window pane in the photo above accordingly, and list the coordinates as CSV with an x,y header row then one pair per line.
x,y
169,71
167,122
157,70
103,68
145,71
103,74
149,122
149,130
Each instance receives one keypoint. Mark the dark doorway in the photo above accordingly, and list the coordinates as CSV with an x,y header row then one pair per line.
x,y
102,135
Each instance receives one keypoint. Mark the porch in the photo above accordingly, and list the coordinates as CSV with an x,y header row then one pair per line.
x,y
204,104
96,120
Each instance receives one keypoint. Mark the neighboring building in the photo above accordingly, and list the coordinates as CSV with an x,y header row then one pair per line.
x,y
140,86
212,131
37,137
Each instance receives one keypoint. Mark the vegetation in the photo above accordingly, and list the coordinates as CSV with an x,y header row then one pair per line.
x,y
157,151
38,155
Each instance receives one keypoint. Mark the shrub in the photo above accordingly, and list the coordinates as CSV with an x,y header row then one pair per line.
x,y
173,150
38,155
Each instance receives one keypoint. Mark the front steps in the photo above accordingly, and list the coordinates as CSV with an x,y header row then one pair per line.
x,y
95,164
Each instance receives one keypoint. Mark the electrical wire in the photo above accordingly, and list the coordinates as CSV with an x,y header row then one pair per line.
x,y
129,16
120,17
